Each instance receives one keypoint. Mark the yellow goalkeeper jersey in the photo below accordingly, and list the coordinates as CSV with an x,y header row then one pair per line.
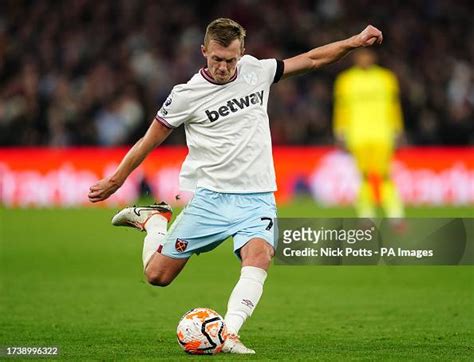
x,y
367,106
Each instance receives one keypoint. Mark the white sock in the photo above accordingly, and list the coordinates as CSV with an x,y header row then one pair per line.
x,y
155,233
244,297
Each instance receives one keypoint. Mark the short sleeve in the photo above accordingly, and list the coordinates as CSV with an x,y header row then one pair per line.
x,y
273,69
175,110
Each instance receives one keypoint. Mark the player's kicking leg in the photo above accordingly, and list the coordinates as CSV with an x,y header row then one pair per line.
x,y
160,270
256,257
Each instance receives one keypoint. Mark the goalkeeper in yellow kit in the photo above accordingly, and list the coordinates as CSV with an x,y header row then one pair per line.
x,y
368,121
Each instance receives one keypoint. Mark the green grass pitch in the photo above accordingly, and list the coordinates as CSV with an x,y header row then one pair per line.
x,y
69,279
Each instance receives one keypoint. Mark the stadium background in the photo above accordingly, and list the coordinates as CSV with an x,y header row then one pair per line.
x,y
81,80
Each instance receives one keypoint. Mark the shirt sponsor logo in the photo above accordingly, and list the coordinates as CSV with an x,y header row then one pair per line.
x,y
235,105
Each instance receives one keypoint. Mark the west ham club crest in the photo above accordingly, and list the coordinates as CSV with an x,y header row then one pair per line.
x,y
180,245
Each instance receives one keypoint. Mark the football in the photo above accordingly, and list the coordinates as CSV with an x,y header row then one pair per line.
x,y
201,331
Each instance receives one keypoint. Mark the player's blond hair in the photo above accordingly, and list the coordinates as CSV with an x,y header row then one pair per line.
x,y
224,31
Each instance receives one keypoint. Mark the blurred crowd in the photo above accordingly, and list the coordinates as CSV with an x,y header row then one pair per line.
x,y
86,72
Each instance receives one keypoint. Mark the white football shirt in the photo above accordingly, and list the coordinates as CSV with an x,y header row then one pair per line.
x,y
227,128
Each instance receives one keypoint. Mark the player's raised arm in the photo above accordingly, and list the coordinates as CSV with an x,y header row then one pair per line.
x,y
155,135
326,54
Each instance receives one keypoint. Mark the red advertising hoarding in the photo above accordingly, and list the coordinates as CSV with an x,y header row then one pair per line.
x,y
61,177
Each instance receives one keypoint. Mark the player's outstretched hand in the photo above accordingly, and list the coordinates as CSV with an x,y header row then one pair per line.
x,y
369,36
102,189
